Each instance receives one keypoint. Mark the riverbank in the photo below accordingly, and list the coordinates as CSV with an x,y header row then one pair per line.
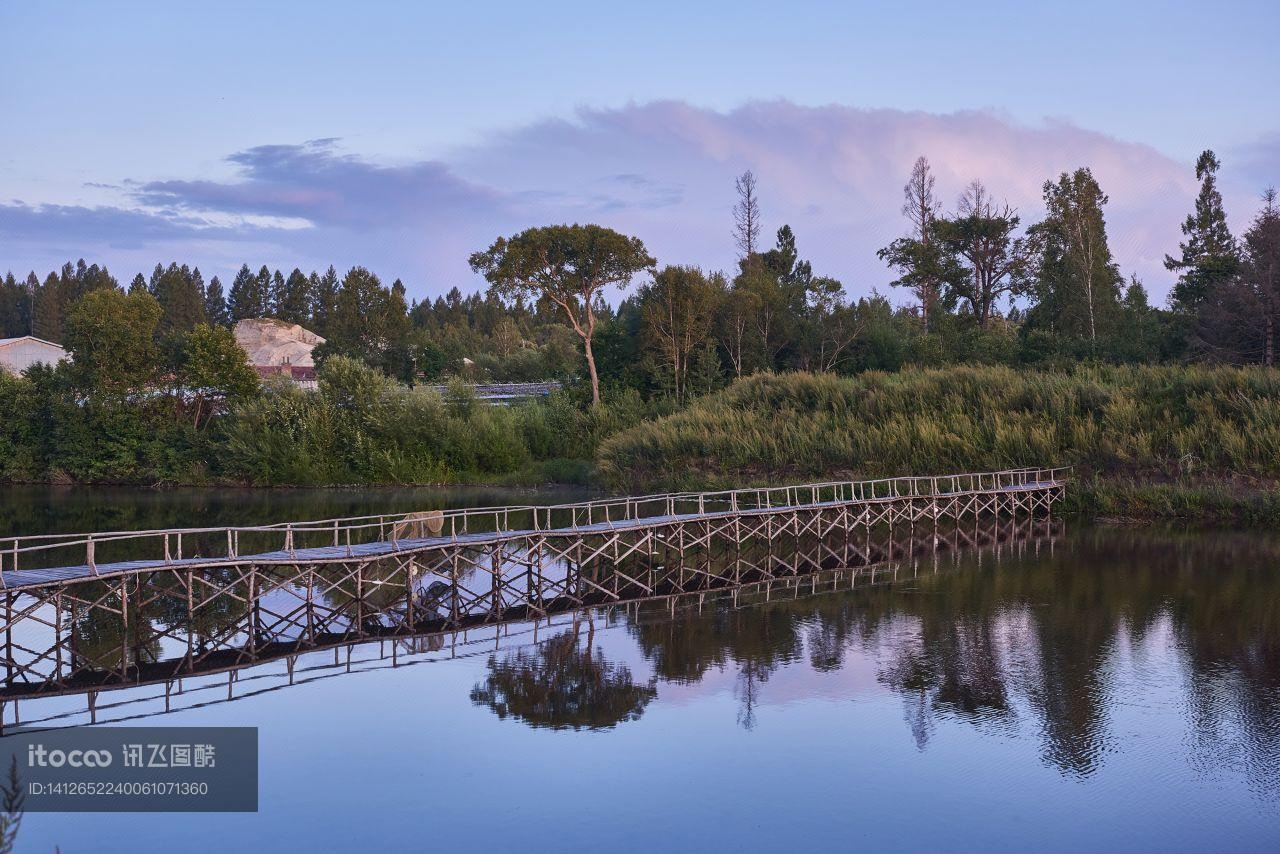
x,y
1170,442
1173,442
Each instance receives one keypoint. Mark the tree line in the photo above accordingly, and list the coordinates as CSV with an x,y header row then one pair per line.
x,y
985,289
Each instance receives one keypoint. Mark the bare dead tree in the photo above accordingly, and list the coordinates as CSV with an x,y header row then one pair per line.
x,y
746,215
921,207
982,234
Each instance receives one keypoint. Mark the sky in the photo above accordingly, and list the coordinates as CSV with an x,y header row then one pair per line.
x,y
404,136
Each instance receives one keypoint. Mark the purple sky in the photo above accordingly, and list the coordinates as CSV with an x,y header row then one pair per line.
x,y
213,140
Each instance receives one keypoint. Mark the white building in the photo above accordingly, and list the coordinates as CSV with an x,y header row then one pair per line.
x,y
18,354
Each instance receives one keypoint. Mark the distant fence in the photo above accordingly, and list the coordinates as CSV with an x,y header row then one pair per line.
x,y
502,393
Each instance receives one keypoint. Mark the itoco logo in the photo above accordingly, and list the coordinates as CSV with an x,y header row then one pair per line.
x,y
40,757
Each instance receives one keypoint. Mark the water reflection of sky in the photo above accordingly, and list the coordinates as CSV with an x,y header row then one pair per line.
x,y
1121,694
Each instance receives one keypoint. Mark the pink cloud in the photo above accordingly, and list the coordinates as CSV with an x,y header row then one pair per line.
x,y
835,174
663,171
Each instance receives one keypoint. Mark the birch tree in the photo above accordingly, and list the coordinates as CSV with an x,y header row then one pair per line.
x,y
1078,286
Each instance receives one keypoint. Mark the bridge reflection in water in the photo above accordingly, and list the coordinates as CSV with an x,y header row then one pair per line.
x,y
166,644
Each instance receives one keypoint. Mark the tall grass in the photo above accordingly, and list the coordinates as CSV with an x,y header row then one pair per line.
x,y
362,428
1152,422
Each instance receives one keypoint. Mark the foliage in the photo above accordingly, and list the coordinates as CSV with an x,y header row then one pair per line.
x,y
1077,288
111,336
1209,256
1148,420
215,371
12,800
157,390
981,236
570,265
559,684
1237,320
678,310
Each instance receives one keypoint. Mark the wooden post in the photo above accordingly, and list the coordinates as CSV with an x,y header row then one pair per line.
x,y
495,570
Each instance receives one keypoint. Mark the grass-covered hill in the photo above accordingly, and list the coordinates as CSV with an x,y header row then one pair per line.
x,y
1137,425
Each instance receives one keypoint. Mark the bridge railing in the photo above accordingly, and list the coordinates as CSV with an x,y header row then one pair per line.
x,y
281,541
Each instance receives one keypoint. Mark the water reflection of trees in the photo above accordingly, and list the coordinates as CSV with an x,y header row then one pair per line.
x,y
1022,643
562,684
985,645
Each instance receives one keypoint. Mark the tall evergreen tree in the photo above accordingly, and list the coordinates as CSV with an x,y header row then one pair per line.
x,y
139,285
1238,320
32,288
48,310
262,282
215,304
247,300
153,284
1262,270
180,293
1210,256
324,301
275,291
354,329
15,308
294,304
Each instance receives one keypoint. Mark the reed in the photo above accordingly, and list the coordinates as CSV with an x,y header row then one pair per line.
x,y
1151,424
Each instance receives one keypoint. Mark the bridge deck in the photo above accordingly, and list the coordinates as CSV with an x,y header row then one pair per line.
x,y
26,578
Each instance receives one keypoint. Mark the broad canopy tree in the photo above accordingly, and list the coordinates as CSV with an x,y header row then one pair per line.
x,y
972,256
112,339
981,236
570,265
215,371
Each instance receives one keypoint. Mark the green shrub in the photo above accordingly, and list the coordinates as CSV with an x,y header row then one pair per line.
x,y
1106,420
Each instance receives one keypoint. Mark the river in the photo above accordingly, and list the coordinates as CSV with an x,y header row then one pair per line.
x,y
1080,687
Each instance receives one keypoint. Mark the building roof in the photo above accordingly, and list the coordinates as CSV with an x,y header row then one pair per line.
x,y
5,342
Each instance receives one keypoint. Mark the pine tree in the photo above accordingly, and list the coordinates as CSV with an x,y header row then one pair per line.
x,y
215,304
154,285
294,304
246,301
180,292
262,283
324,306
1239,319
352,328
275,294
15,308
48,309
1262,270
1210,257
138,285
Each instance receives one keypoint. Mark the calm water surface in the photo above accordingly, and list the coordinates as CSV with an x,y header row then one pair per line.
x,y
1111,689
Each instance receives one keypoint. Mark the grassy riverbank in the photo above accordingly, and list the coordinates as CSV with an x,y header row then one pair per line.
x,y
1173,442
1188,442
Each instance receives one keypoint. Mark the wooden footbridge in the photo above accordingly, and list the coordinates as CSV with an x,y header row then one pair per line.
x,y
90,610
